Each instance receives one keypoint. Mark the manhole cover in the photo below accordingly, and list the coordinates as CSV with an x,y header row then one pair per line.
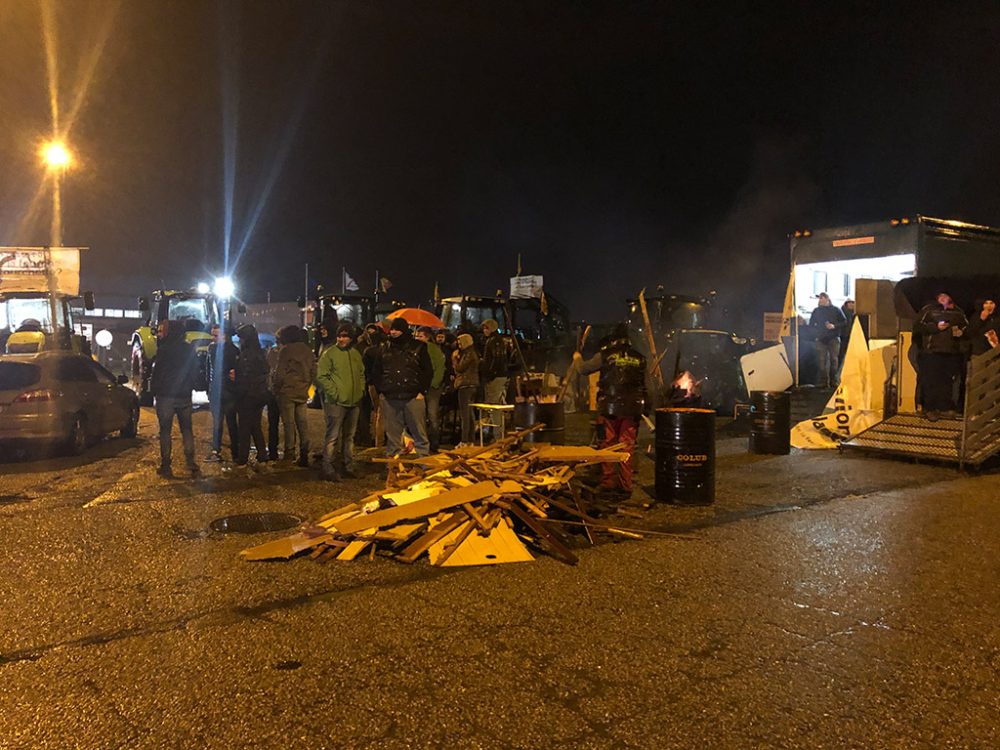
x,y
254,523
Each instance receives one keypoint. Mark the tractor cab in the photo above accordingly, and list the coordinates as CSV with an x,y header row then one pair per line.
x,y
26,323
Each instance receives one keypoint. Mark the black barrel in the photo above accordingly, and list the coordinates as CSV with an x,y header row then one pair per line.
x,y
685,456
551,414
770,422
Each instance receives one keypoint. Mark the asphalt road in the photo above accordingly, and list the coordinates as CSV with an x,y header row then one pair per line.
x,y
822,601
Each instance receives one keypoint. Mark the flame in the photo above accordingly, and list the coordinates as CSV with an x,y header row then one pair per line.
x,y
686,384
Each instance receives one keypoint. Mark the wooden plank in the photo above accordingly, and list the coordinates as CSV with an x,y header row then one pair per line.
x,y
501,546
427,507
439,531
282,549
579,453
440,551
353,549
474,515
559,550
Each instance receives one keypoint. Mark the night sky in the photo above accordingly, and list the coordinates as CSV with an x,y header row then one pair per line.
x,y
613,145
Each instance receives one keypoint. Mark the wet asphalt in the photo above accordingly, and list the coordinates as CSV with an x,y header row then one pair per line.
x,y
823,600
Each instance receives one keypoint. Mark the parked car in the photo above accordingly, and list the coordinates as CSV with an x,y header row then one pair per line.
x,y
63,398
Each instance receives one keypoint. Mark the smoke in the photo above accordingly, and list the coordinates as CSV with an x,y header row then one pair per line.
x,y
748,252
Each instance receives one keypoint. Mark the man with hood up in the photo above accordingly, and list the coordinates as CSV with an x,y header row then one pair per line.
x,y
621,401
293,374
173,379
402,372
251,394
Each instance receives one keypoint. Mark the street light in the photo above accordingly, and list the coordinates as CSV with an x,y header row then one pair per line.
x,y
57,160
56,156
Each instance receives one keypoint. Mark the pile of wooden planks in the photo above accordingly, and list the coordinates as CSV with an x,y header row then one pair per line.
x,y
471,506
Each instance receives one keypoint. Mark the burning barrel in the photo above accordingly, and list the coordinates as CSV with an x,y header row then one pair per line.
x,y
685,456
770,422
552,414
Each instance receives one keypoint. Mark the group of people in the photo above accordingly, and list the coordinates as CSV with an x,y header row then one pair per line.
x,y
383,382
943,340
832,329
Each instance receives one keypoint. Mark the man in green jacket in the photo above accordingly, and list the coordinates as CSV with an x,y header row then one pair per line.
x,y
433,395
341,375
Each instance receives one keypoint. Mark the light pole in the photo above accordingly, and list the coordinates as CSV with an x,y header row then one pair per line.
x,y
57,160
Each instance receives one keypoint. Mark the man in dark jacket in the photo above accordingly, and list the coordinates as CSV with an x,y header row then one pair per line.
x,y
402,373
621,401
222,355
171,383
829,322
291,378
493,363
940,326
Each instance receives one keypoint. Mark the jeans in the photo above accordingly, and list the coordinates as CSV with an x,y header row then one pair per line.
x,y
827,362
433,406
248,416
166,408
293,416
465,396
224,413
412,415
493,389
341,424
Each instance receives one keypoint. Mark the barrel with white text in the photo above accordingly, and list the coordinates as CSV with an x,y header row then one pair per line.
x,y
685,456
770,422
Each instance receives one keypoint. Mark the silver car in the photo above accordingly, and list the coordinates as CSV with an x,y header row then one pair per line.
x,y
62,397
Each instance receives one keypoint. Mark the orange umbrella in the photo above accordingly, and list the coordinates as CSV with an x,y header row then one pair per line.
x,y
416,317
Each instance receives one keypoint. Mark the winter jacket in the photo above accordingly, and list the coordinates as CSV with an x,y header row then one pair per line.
x,y
341,376
932,339
294,372
622,383
437,363
494,363
175,367
251,368
977,330
467,368
827,314
402,368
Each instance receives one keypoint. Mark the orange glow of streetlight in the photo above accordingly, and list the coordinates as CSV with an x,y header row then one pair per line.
x,y
56,155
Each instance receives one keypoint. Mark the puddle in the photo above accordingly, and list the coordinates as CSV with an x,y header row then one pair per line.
x,y
254,523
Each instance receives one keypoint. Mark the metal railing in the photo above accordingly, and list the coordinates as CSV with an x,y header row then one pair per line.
x,y
981,425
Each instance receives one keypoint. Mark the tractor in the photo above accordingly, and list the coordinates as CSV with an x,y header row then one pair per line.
x,y
197,311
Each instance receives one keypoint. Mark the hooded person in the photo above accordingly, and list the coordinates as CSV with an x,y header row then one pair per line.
x,y
174,371
402,373
251,394
341,377
292,376
621,401
465,363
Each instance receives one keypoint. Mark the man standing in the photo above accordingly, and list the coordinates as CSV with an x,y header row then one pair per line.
x,y
291,377
222,356
941,326
171,383
828,321
621,400
402,373
493,363
433,398
341,376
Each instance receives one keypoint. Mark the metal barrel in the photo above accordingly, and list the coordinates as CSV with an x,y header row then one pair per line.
x,y
685,456
551,414
770,422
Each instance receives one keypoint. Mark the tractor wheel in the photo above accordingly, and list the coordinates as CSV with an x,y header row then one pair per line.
x,y
139,380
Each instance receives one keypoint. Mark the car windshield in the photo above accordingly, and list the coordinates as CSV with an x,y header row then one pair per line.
x,y
18,312
194,313
16,376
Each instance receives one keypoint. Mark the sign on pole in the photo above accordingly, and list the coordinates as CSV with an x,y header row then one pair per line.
x,y
525,287
40,269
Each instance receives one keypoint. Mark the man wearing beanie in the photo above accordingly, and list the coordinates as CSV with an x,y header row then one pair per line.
x,y
402,373
341,375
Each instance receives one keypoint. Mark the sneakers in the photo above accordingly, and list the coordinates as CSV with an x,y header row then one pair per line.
x,y
214,457
165,472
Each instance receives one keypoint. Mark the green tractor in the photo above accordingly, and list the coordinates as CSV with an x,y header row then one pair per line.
x,y
197,311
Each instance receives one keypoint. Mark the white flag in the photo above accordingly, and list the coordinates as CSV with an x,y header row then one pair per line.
x,y
350,285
